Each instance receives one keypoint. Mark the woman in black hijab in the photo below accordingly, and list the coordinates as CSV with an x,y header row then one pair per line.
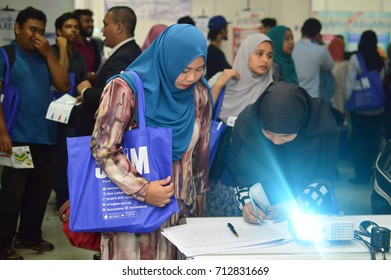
x,y
286,140
366,125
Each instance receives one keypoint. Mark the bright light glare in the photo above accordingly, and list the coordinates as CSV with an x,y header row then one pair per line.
x,y
314,227
306,226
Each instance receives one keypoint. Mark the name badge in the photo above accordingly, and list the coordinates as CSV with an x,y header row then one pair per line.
x,y
231,121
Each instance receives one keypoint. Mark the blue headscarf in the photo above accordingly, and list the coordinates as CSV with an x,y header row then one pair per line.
x,y
158,67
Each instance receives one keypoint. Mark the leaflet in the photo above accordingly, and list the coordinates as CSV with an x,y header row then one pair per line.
x,y
20,158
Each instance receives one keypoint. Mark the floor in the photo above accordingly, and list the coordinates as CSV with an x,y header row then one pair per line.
x,y
352,200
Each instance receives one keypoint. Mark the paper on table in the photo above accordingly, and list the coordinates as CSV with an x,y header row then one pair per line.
x,y
204,238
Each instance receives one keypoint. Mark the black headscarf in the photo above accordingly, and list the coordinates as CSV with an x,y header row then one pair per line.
x,y
285,170
368,48
288,109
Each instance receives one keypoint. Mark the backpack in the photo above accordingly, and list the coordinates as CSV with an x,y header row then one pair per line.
x,y
9,94
381,190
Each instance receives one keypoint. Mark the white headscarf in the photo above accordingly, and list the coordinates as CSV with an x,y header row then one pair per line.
x,y
244,91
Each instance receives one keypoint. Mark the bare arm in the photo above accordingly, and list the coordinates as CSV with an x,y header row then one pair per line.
x,y
59,76
63,57
224,78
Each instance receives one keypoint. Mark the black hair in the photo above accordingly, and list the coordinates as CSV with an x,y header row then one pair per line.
x,y
212,34
83,12
63,18
311,27
186,19
269,22
126,16
30,13
367,46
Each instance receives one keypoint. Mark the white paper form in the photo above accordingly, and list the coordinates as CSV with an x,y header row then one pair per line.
x,y
60,109
204,238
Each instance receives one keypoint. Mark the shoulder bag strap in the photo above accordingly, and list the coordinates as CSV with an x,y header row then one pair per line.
x,y
140,95
11,54
219,103
362,63
7,73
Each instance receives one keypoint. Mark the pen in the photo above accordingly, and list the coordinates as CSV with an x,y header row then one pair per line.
x,y
253,203
255,207
231,227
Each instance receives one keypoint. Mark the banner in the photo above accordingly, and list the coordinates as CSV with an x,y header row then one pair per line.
x,y
7,20
352,24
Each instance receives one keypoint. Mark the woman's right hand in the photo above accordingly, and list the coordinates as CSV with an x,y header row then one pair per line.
x,y
252,216
227,75
222,81
159,192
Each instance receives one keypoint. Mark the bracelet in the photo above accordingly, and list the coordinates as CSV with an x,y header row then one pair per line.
x,y
82,92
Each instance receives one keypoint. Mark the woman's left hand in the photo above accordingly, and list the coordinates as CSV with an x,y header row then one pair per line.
x,y
280,211
160,192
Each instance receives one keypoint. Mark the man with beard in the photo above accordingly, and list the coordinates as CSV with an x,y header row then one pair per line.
x,y
118,28
218,32
90,48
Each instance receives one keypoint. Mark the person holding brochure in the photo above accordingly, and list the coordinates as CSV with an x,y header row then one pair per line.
x,y
67,29
24,193
178,97
286,143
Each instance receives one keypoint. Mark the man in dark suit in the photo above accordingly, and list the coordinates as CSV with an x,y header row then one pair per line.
x,y
118,29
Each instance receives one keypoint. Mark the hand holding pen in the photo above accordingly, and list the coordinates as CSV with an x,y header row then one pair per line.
x,y
252,214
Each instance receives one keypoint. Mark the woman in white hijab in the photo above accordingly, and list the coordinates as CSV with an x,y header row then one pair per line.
x,y
250,75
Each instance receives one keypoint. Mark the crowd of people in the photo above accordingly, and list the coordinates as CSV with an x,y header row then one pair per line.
x,y
283,106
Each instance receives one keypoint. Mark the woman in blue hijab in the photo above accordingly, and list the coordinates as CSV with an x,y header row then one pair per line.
x,y
178,97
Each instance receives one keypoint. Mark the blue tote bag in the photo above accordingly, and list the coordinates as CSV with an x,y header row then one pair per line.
x,y
368,92
217,128
96,203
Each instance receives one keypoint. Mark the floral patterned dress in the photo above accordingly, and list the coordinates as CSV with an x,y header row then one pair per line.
x,y
116,114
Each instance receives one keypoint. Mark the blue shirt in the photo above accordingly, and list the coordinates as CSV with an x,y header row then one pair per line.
x,y
30,75
309,58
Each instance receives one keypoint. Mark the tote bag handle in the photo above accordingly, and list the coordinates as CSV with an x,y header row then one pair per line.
x,y
362,64
139,93
217,106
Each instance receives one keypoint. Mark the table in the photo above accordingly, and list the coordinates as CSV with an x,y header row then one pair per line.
x,y
337,250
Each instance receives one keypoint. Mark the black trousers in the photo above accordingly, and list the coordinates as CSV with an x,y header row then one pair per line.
x,y
61,173
365,140
24,194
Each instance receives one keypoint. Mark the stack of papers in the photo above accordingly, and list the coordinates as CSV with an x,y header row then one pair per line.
x,y
208,238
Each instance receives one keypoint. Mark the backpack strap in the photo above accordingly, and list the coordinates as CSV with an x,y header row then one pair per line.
x,y
9,57
10,53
